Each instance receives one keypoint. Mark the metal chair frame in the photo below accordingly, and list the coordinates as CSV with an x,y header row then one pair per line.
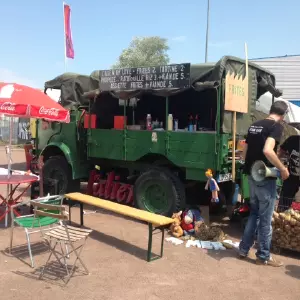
x,y
29,231
63,234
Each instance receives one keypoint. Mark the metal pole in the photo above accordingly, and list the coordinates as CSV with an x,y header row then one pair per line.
x,y
207,30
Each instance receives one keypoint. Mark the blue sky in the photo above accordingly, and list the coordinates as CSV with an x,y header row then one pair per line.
x,y
32,37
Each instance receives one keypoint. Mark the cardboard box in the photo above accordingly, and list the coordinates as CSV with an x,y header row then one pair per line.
x,y
87,118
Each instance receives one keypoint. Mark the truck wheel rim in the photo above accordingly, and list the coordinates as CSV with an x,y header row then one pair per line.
x,y
155,198
58,175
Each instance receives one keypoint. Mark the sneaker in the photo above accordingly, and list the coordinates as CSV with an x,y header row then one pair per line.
x,y
271,262
242,255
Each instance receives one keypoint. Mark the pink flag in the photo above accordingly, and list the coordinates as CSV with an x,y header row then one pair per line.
x,y
68,34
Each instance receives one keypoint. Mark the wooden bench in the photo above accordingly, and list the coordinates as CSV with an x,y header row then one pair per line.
x,y
155,222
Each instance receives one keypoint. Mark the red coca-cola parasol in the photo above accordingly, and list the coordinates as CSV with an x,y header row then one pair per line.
x,y
23,101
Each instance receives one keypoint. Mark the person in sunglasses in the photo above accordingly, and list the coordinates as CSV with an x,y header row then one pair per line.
x,y
261,144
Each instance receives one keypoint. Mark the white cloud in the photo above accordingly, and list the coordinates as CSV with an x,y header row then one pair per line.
x,y
180,38
12,77
220,44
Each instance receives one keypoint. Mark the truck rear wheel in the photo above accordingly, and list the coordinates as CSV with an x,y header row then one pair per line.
x,y
57,168
159,191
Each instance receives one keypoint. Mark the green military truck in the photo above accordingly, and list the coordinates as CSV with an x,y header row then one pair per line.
x,y
163,161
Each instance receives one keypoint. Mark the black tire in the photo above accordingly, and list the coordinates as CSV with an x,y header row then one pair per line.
x,y
57,167
162,179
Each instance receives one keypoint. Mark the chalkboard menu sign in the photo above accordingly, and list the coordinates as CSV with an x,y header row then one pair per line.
x,y
160,77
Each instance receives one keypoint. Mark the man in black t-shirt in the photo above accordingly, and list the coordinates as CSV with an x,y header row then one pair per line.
x,y
261,144
291,149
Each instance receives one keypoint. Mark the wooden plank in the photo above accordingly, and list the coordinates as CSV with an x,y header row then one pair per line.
x,y
76,235
79,229
72,232
135,213
47,206
233,144
59,236
52,215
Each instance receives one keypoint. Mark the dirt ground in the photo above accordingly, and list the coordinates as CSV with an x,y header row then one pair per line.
x,y
115,256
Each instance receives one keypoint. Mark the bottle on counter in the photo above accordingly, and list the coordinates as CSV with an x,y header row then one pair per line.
x,y
191,124
196,123
170,122
175,124
149,122
155,124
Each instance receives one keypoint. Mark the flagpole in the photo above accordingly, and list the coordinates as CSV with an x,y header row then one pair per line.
x,y
65,57
207,31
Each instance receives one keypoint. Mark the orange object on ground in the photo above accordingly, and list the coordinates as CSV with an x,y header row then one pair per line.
x,y
119,122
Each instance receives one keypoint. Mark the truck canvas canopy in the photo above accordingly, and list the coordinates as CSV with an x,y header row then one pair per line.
x,y
76,89
72,86
211,76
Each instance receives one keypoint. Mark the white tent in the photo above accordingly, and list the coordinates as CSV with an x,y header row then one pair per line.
x,y
54,94
265,101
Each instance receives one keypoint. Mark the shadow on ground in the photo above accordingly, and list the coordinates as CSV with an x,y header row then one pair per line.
x,y
231,253
293,271
119,244
21,252
54,273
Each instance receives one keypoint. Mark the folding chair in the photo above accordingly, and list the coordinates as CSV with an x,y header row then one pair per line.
x,y
31,224
60,235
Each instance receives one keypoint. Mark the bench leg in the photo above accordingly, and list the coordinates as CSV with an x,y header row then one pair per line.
x,y
81,213
151,230
70,206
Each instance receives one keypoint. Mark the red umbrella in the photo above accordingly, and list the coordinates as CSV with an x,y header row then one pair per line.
x,y
23,101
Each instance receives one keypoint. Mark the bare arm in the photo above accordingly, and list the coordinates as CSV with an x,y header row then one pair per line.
x,y
271,155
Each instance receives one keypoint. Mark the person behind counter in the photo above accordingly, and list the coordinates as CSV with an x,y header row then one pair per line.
x,y
290,149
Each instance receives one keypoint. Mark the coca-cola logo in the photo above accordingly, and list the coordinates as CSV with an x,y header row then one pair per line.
x,y
49,111
8,106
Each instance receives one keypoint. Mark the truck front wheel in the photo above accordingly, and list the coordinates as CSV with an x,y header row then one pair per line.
x,y
159,191
57,168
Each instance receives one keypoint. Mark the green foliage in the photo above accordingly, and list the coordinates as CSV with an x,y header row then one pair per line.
x,y
144,52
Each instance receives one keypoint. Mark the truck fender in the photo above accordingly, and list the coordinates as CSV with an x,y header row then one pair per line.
x,y
53,149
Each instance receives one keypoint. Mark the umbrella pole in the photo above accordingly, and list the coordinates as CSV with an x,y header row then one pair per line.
x,y
8,148
41,177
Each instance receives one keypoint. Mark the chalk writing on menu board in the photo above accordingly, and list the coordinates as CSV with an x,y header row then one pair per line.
x,y
159,77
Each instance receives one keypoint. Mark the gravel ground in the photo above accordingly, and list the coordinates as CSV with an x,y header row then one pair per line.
x,y
115,256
